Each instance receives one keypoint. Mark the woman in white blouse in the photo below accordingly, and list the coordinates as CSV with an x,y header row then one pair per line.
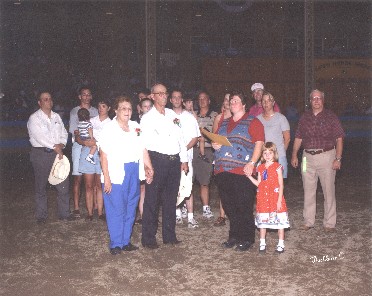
x,y
124,162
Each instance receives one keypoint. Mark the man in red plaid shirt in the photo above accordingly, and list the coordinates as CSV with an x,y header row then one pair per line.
x,y
321,135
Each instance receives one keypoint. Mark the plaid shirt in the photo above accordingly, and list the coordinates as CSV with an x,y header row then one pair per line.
x,y
207,122
319,131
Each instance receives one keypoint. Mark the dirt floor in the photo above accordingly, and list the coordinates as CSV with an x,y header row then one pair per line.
x,y
72,258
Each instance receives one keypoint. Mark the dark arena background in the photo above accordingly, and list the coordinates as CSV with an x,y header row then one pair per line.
x,y
118,47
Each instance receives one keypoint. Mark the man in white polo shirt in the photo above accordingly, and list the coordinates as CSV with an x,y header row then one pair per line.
x,y
191,133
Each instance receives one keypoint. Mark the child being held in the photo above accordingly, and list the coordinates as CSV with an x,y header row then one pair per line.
x,y
85,129
271,209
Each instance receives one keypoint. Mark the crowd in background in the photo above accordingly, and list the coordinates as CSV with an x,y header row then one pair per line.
x,y
158,145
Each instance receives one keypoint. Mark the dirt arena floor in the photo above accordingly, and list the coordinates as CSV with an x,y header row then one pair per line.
x,y
72,258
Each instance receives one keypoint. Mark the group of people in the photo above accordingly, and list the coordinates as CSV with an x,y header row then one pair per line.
x,y
136,159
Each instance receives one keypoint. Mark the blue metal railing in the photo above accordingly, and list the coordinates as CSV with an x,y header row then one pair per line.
x,y
356,127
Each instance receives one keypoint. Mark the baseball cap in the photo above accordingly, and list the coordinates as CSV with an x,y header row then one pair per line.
x,y
257,86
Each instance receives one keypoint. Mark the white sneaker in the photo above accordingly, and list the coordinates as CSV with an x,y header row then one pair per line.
x,y
207,213
90,159
179,220
184,212
193,223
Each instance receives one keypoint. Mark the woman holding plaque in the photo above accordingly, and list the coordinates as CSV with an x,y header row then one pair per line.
x,y
233,165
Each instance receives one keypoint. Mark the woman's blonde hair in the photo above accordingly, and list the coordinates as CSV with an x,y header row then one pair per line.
x,y
272,147
271,97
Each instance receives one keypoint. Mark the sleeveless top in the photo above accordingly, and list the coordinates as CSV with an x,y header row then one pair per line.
x,y
237,156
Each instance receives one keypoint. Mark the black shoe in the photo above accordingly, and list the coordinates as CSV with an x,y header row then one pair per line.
x,y
89,218
176,242
76,214
115,251
262,250
129,247
41,221
102,217
95,213
67,219
229,243
279,250
244,246
151,246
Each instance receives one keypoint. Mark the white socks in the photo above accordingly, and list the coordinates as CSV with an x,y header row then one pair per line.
x,y
190,216
281,243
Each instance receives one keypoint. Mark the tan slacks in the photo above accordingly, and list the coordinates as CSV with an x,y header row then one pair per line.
x,y
319,166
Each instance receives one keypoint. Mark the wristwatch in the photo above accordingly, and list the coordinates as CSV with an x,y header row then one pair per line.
x,y
338,158
253,162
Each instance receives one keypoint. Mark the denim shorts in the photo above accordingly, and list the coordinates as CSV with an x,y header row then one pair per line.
x,y
85,167
75,155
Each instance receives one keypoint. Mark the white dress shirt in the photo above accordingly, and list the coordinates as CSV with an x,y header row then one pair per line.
x,y
162,134
190,130
45,131
121,147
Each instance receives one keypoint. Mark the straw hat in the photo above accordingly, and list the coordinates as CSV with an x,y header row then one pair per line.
x,y
60,170
185,187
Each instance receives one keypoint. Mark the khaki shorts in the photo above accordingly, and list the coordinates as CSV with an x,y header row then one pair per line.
x,y
203,170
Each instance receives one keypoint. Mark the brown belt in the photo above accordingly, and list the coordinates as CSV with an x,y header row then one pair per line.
x,y
314,152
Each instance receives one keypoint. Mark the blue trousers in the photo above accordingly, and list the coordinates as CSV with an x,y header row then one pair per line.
x,y
120,206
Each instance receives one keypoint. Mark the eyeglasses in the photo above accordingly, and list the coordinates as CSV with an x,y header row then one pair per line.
x,y
161,94
316,98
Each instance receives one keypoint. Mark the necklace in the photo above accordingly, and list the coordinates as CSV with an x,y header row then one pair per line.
x,y
271,115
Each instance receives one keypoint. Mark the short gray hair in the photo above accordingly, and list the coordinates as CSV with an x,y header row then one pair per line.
x,y
316,90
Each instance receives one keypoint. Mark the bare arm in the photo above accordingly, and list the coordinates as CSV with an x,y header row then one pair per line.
x,y
215,123
58,148
281,189
287,139
248,168
339,148
254,181
90,132
296,147
89,143
149,171
192,143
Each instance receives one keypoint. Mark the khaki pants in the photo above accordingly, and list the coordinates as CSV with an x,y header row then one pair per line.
x,y
319,166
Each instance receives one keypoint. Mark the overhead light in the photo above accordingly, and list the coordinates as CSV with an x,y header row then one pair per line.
x,y
109,13
17,3
198,15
